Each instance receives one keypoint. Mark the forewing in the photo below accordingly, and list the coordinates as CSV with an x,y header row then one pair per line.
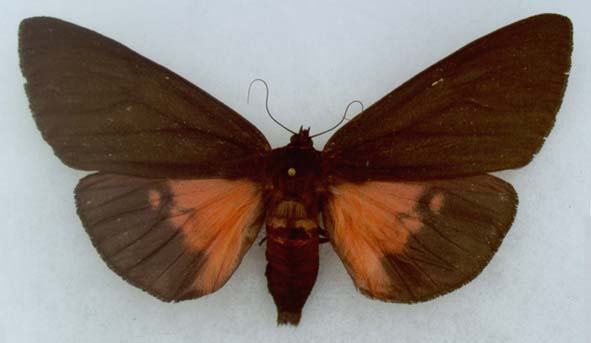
x,y
412,241
488,106
102,106
176,239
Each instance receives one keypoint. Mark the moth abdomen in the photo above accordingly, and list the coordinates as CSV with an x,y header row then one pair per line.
x,y
292,264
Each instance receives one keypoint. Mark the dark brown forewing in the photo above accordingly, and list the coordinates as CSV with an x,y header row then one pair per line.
x,y
102,106
172,238
412,241
486,107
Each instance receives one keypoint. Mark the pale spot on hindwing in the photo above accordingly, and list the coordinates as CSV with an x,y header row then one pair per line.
x,y
154,198
436,203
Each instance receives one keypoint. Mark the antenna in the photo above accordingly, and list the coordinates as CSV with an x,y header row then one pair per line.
x,y
342,119
266,102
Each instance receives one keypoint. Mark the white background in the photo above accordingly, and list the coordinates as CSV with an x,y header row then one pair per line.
x,y
317,56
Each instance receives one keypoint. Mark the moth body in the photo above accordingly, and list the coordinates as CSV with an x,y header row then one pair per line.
x,y
292,201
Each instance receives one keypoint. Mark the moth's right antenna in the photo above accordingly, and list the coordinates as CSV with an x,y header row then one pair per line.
x,y
266,102
342,119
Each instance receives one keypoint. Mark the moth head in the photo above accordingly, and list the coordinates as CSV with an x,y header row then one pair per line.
x,y
301,140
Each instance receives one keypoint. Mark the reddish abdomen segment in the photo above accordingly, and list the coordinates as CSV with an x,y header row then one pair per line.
x,y
292,256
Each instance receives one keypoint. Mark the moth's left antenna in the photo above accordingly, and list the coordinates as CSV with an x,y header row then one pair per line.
x,y
266,102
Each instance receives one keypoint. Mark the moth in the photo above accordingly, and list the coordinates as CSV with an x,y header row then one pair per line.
x,y
183,184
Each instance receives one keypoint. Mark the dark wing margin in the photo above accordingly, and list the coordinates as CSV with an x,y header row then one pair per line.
x,y
413,241
486,107
101,106
175,239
